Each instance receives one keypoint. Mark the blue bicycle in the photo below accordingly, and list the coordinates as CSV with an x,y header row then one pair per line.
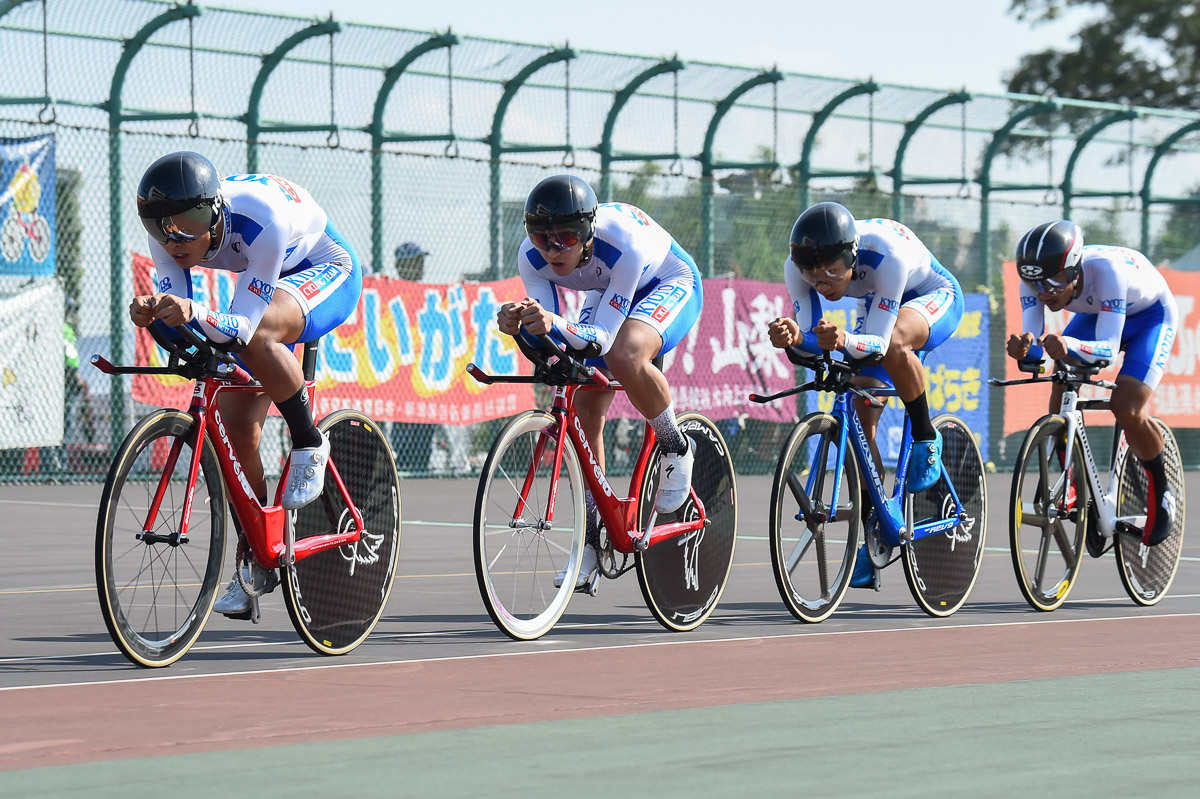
x,y
817,506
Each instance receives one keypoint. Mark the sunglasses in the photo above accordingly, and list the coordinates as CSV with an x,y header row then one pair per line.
x,y
557,239
166,228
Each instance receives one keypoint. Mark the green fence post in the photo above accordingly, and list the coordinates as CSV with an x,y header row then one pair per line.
x,y
605,147
1147,196
910,130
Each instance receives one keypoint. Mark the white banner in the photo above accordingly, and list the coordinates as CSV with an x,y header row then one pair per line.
x,y
31,367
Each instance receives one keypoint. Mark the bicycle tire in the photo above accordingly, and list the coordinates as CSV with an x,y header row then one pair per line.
x,y
336,597
516,564
682,578
813,587
156,597
1147,572
1047,524
942,569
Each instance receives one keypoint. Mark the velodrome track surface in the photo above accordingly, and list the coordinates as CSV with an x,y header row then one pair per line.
x,y
1099,697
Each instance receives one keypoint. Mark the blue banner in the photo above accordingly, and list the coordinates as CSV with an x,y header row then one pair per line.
x,y
27,206
955,376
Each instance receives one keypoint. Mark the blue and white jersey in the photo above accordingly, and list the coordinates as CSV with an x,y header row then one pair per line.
x,y
273,230
894,268
1117,283
631,254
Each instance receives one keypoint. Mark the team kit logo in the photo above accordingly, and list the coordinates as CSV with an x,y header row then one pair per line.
x,y
221,322
263,290
660,302
620,303
1113,306
311,285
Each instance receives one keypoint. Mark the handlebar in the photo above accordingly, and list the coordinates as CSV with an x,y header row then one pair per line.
x,y
555,364
1067,374
192,356
831,375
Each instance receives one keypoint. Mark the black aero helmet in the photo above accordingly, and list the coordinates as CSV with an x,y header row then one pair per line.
x,y
822,234
561,204
1050,252
183,184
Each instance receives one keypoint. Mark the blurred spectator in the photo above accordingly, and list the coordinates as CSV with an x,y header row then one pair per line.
x,y
410,262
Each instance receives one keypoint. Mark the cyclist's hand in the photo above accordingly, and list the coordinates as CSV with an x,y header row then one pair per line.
x,y
535,319
508,318
784,333
1055,347
141,310
172,310
1018,345
829,336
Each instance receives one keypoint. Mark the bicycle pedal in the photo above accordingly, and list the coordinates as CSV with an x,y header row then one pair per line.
x,y
255,615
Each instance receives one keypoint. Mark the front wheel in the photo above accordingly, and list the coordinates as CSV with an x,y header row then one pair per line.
x,y
1048,514
521,543
1147,572
156,588
941,569
336,597
682,578
813,530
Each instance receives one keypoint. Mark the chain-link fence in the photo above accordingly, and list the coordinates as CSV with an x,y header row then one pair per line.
x,y
435,139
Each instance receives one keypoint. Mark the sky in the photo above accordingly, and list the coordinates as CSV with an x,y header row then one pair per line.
x,y
937,44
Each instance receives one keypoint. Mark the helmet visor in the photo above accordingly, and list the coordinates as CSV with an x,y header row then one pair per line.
x,y
554,238
830,259
165,229
1053,286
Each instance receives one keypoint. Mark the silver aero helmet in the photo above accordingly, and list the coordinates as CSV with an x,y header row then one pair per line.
x,y
1049,256
182,185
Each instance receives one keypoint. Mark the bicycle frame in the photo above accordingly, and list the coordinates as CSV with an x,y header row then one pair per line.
x,y
896,526
618,514
268,529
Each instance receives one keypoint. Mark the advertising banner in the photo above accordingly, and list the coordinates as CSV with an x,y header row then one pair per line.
x,y
32,355
27,206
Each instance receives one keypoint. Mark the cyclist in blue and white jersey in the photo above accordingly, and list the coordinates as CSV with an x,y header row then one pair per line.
x,y
1120,302
643,295
909,304
297,280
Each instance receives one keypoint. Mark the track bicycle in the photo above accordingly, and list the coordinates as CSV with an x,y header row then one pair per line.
x,y
816,504
530,510
1058,509
160,535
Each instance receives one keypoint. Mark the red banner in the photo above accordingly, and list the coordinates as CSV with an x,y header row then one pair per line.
x,y
1177,398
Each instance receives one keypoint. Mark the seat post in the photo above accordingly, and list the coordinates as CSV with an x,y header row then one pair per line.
x,y
309,364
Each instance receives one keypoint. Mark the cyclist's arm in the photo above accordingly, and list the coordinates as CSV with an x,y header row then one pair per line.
x,y
806,308
1111,288
876,328
251,295
1033,320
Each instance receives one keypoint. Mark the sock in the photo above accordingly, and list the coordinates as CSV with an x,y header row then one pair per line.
x,y
918,413
298,415
667,430
1156,471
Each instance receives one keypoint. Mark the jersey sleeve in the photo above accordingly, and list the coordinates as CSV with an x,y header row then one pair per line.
x,y
806,307
1112,286
1033,319
248,305
874,333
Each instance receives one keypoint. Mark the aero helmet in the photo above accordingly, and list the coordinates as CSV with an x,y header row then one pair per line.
x,y
183,184
822,234
560,212
1050,252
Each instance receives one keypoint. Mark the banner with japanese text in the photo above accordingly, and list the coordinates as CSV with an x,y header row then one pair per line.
x,y
27,206
1177,398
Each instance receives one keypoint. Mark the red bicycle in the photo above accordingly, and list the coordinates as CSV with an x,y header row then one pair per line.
x,y
160,536
527,527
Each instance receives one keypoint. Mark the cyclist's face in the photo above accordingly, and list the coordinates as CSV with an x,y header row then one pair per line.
x,y
563,250
1056,298
192,243
831,280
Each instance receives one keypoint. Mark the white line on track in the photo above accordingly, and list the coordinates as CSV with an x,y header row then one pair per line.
x,y
564,650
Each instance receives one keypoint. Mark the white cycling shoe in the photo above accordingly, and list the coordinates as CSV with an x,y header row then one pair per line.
x,y
589,562
306,475
675,478
235,602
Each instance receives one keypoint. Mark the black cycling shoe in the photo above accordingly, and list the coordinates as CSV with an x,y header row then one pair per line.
x,y
1094,542
1164,520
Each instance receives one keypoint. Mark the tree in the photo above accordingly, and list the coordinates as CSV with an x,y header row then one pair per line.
x,y
1141,52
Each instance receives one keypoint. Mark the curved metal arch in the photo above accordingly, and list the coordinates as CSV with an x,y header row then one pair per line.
x,y
707,190
496,140
985,179
9,5
1147,196
810,138
610,122
116,249
910,130
1068,187
379,136
251,118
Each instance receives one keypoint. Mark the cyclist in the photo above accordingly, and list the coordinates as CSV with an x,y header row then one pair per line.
x,y
908,305
297,280
1120,302
643,295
